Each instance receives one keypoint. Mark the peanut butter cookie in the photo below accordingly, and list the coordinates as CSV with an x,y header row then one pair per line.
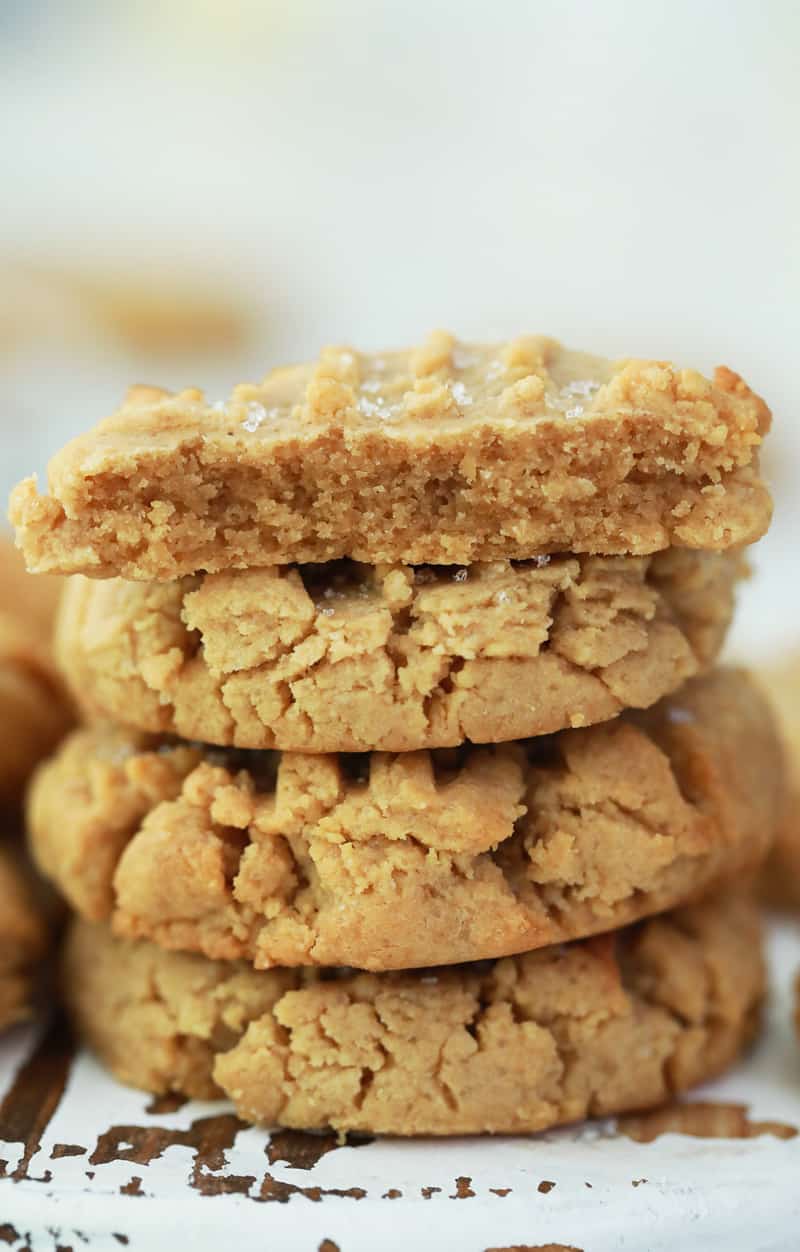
x,y
592,1028
34,709
449,453
389,862
348,658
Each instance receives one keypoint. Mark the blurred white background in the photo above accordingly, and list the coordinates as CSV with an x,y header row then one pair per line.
x,y
195,190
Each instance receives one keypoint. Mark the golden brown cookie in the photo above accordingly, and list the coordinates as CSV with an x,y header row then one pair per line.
x,y
24,935
588,1029
387,862
30,600
781,875
347,658
34,709
449,453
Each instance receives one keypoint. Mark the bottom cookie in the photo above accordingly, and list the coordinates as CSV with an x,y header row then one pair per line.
x,y
24,937
590,1028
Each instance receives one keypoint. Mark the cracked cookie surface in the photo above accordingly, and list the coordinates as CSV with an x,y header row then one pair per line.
x,y
388,861
34,710
449,453
348,658
592,1028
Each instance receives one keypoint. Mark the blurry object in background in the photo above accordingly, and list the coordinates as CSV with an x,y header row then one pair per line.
x,y
241,26
32,600
26,916
781,876
173,313
34,709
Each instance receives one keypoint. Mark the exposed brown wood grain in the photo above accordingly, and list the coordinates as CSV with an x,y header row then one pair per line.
x,y
272,1189
35,1094
703,1119
66,1149
302,1150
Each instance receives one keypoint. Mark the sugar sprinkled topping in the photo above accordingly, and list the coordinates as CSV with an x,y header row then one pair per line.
x,y
460,576
256,414
374,408
371,385
541,561
494,369
578,389
586,387
219,406
460,394
502,597
327,610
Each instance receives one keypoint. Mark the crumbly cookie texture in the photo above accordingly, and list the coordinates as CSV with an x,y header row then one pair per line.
x,y
23,939
588,1029
450,452
390,862
34,709
780,880
347,658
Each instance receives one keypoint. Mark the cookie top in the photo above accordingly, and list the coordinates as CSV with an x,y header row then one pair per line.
x,y
348,658
588,1029
450,452
391,861
34,708
24,936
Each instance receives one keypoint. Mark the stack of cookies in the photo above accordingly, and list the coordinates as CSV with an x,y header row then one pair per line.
x,y
409,799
